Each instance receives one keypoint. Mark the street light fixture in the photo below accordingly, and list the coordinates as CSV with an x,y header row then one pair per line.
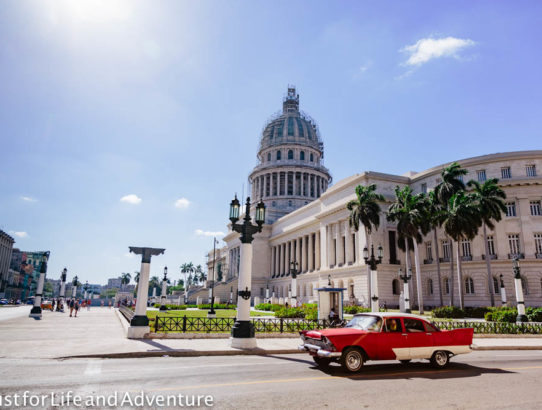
x,y
406,277
243,330
163,296
212,312
60,304
373,262
521,317
503,290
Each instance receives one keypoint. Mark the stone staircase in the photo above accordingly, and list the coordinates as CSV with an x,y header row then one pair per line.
x,y
221,291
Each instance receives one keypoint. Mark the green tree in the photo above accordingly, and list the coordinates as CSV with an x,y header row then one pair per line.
x,y
433,216
408,212
489,199
125,279
154,282
365,211
461,220
452,182
187,269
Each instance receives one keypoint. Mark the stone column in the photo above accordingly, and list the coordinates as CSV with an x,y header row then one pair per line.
x,y
304,258
297,253
277,264
242,332
35,312
139,325
163,295
302,181
349,244
317,250
332,245
323,245
311,253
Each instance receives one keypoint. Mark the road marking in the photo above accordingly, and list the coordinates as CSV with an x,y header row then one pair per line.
x,y
93,367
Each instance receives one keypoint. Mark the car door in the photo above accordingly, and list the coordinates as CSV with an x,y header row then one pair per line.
x,y
420,341
392,340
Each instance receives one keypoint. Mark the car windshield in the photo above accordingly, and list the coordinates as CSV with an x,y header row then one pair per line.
x,y
370,323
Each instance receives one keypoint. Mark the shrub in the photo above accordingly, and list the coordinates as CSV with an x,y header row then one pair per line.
x,y
477,312
268,307
352,310
448,312
290,313
534,314
502,315
217,306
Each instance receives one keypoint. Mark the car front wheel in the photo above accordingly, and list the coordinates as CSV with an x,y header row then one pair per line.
x,y
440,359
352,360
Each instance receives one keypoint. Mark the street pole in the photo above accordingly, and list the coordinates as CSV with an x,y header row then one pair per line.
x,y
139,325
406,277
36,309
163,294
521,317
212,312
60,304
293,271
503,291
373,262
74,286
243,335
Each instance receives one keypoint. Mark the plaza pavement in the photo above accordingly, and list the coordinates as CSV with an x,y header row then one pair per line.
x,y
100,332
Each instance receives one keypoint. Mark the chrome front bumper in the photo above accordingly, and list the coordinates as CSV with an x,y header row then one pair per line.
x,y
318,350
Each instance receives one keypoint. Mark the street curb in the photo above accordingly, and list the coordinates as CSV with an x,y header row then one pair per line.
x,y
506,347
186,353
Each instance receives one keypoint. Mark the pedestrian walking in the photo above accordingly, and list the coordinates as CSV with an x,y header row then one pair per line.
x,y
76,307
88,304
53,305
109,304
72,306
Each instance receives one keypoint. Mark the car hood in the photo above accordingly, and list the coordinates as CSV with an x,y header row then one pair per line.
x,y
342,331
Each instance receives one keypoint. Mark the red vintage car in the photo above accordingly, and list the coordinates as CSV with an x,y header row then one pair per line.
x,y
385,336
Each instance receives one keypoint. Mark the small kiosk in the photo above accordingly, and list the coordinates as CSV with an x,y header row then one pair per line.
x,y
330,298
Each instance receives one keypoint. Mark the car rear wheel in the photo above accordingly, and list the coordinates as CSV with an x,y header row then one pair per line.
x,y
321,361
406,361
440,359
352,360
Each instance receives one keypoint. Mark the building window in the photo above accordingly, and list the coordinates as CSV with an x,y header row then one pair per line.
x,y
429,251
510,209
446,286
465,248
525,285
506,173
460,177
535,208
395,287
429,286
538,243
530,170
445,250
469,286
513,242
290,125
268,156
311,158
290,154
491,244
278,155
496,286
481,175
302,155
424,188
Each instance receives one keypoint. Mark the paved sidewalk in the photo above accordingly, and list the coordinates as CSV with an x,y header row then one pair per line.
x,y
100,333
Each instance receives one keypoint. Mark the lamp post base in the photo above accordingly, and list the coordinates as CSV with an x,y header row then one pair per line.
x,y
139,320
35,312
521,319
163,307
243,342
211,314
243,329
138,332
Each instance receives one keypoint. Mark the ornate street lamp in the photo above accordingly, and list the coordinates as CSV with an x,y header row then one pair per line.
x,y
60,304
74,286
373,262
521,317
406,277
243,330
36,309
212,312
503,290
163,295
85,289
293,271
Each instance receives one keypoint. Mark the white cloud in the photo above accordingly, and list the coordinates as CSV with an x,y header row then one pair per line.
x,y
19,234
200,232
182,203
131,199
129,255
28,199
429,48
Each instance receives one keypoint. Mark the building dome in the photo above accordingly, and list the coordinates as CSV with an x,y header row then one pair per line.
x,y
290,171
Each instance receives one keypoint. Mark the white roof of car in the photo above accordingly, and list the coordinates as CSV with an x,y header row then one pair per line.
x,y
392,314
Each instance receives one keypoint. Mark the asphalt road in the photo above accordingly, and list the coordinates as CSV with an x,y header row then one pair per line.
x,y
496,380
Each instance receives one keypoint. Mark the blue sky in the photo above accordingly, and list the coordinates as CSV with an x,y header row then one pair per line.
x,y
161,101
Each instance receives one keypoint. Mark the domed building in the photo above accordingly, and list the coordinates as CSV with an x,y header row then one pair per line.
x,y
290,171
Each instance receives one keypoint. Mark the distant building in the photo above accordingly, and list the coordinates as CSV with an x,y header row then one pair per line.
x,y
24,270
113,283
6,249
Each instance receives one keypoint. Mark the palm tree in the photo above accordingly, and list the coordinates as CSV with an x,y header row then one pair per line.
x,y
125,279
489,201
187,268
408,212
461,221
154,282
452,182
433,216
365,210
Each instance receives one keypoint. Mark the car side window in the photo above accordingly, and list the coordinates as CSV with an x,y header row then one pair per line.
x,y
429,327
393,325
413,325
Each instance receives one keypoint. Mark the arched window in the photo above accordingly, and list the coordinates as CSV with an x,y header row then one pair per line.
x,y
496,286
311,158
469,286
290,154
446,286
429,286
302,155
268,156
395,287
525,285
278,155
